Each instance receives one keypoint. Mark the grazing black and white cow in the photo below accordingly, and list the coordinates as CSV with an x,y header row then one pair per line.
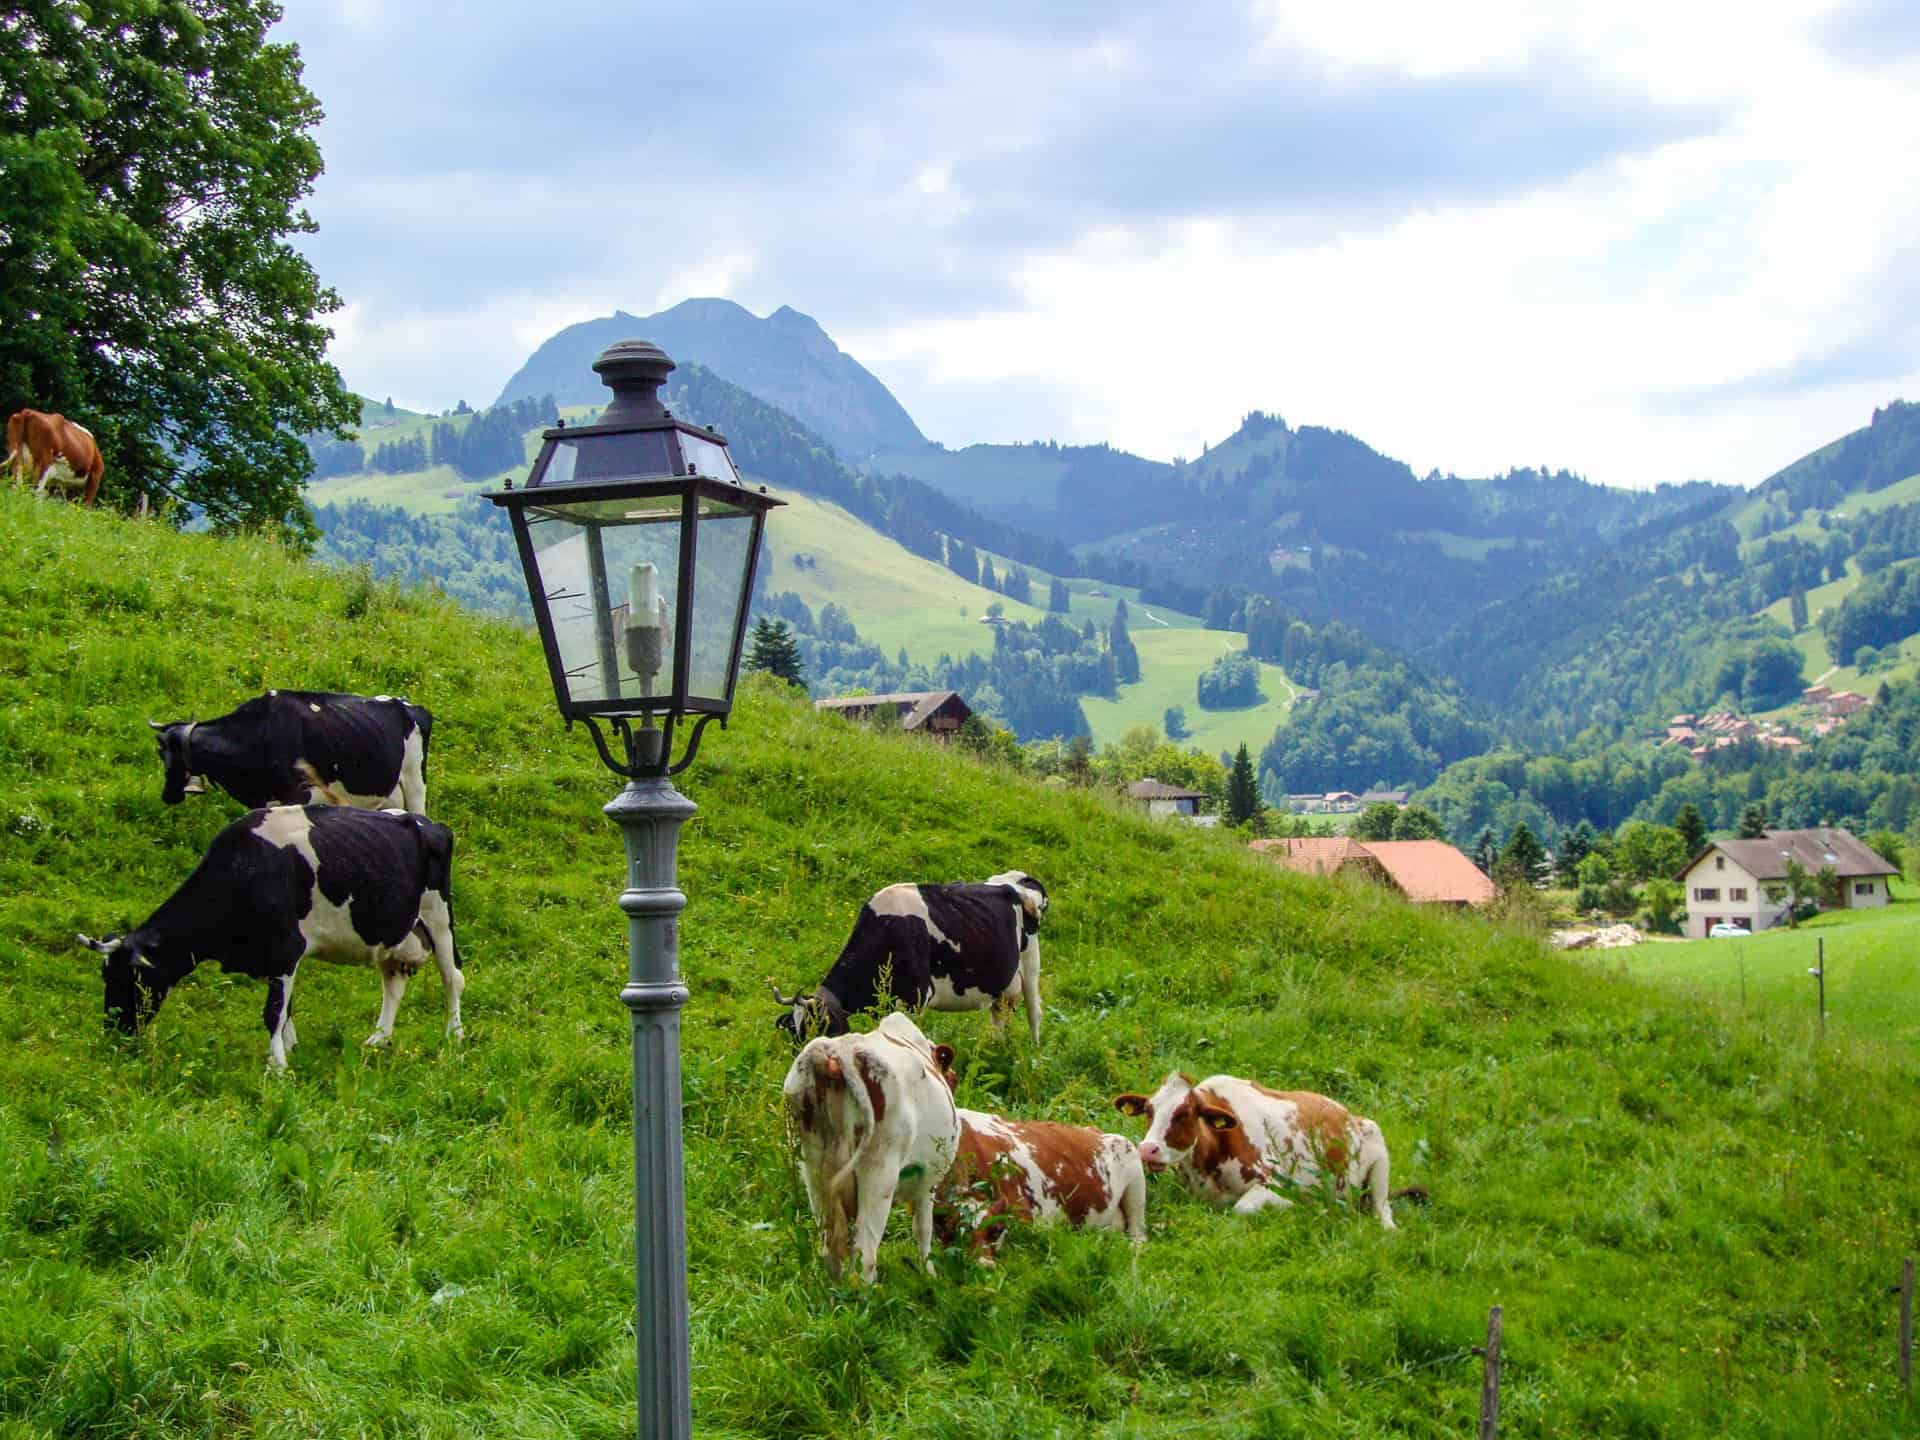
x,y
303,747
939,947
360,887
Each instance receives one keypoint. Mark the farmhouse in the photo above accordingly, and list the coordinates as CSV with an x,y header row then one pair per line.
x,y
1427,872
1386,797
1744,882
932,712
1160,798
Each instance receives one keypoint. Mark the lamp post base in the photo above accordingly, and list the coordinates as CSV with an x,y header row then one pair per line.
x,y
650,812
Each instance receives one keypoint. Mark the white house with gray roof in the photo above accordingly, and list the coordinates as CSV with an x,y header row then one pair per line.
x,y
1744,882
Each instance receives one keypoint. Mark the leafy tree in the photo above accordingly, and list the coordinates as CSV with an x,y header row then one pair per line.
x,y
156,156
1059,598
1828,886
1175,722
1594,874
775,651
1231,681
1890,847
1243,791
1775,674
1801,886
1753,823
1692,827
1376,822
1416,822
1664,905
1797,610
1642,850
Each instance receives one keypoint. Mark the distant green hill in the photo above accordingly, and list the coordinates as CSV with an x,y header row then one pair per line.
x,y
1650,624
1690,1215
786,359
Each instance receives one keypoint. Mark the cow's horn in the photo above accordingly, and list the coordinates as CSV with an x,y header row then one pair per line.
x,y
793,999
156,725
101,946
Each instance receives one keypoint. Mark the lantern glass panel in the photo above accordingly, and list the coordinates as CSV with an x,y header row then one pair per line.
x,y
610,570
632,455
720,577
706,458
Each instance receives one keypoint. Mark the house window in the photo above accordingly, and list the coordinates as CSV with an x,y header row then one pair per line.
x,y
1719,862
1863,887
1702,892
1736,894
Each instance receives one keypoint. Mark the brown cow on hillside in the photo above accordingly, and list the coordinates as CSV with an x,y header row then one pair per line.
x,y
53,450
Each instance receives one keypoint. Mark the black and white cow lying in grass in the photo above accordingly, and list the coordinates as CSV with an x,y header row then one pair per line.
x,y
938,947
303,747
361,887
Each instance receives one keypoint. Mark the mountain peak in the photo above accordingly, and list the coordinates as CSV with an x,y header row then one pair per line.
x,y
787,360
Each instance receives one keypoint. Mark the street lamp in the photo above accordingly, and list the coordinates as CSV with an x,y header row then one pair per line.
x,y
639,540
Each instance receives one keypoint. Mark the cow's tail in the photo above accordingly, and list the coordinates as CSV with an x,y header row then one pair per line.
x,y
423,721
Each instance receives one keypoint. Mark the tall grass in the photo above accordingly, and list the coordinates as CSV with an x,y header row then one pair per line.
x,y
1690,1217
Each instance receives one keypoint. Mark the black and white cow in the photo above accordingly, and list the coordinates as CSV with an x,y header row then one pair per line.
x,y
940,947
303,747
360,887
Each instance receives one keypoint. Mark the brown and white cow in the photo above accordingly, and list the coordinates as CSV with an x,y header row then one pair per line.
x,y
1042,1172
53,450
875,1123
1230,1140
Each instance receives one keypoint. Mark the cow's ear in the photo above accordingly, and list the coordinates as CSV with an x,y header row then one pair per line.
x,y
1130,1104
943,1056
1218,1119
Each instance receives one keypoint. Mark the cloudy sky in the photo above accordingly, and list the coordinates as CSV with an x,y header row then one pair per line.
x,y
1647,240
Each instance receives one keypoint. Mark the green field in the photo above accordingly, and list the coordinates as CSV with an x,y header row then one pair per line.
x,y
1807,525
896,598
1170,664
1690,1215
1872,962
1820,668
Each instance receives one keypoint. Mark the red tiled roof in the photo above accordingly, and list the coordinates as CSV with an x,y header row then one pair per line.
x,y
1432,870
1314,855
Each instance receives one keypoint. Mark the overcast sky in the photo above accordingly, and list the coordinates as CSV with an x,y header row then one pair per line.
x,y
1647,240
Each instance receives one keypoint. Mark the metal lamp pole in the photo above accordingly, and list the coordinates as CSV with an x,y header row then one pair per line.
x,y
650,812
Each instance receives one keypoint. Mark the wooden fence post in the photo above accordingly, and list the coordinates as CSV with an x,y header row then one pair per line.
x,y
1906,1327
1490,1379
1819,973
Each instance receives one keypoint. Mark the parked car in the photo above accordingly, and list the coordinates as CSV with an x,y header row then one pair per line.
x,y
1724,931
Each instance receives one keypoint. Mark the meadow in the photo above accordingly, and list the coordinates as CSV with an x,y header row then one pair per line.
x,y
1690,1214
1872,971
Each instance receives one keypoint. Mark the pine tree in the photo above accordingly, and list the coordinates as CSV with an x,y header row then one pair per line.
x,y
776,651
1126,659
1523,861
1057,597
1753,824
1243,791
987,577
1692,827
1484,851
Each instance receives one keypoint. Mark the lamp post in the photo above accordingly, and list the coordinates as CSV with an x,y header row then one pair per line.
x,y
639,540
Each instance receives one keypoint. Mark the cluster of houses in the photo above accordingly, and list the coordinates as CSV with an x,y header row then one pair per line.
x,y
1345,802
1827,710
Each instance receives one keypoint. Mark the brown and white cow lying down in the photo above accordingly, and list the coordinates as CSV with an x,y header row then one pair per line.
x,y
1039,1171
52,450
874,1119
1230,1139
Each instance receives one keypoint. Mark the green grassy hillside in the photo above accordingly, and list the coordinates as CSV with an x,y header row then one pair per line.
x,y
1690,1216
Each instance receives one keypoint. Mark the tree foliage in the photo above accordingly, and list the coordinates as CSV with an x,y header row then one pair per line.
x,y
1243,791
155,155
774,650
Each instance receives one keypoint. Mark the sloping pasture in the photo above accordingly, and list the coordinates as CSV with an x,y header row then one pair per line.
x,y
1690,1217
